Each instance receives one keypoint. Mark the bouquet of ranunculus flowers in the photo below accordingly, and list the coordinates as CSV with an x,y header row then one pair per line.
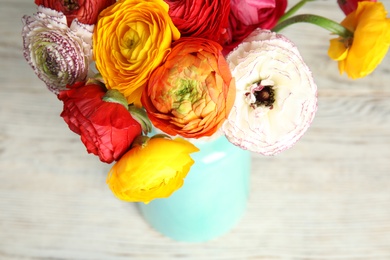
x,y
189,69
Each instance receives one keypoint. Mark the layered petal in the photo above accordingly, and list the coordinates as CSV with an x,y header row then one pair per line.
x,y
247,15
152,170
107,129
192,92
131,39
59,55
201,18
276,96
86,11
360,55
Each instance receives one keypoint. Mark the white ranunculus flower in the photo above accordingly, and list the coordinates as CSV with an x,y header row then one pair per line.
x,y
276,95
58,54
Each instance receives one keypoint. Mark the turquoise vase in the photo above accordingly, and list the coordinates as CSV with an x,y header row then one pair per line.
x,y
213,198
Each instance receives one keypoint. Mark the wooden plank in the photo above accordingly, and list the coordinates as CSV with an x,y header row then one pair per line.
x,y
325,198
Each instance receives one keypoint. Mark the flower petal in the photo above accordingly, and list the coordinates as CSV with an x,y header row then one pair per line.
x,y
269,61
59,55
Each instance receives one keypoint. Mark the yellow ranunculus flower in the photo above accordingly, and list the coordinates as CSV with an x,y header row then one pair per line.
x,y
360,55
153,170
130,40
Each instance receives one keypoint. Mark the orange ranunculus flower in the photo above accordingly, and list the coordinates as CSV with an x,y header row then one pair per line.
x,y
131,39
152,170
360,55
192,92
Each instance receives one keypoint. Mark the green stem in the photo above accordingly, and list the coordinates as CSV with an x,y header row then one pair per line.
x,y
323,22
293,10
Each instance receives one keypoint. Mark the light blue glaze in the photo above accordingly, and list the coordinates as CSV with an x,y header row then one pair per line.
x,y
213,198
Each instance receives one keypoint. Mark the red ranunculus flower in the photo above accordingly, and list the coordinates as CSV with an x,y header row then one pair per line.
x,y
201,18
86,11
247,15
107,129
348,6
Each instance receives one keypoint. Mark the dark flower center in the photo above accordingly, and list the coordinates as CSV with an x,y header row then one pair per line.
x,y
265,96
260,95
71,5
50,66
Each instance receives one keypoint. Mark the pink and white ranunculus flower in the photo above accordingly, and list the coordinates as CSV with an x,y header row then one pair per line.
x,y
276,96
59,55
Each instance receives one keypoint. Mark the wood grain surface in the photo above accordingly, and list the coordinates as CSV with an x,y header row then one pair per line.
x,y
328,197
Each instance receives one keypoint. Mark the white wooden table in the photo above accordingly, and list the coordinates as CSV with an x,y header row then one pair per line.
x,y
328,197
